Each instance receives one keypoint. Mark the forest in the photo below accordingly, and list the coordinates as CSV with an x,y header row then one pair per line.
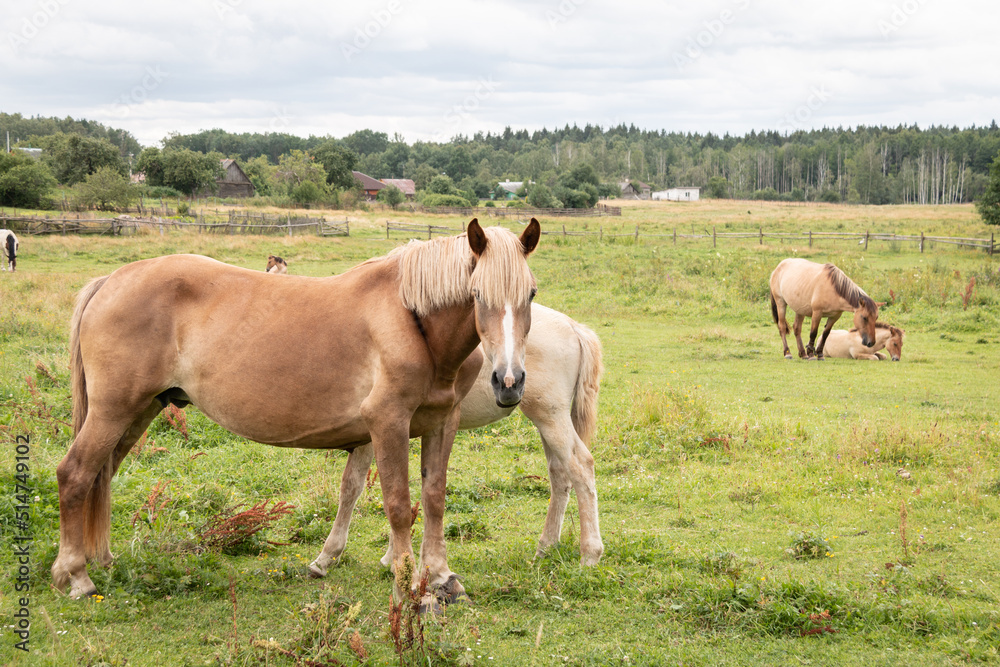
x,y
865,165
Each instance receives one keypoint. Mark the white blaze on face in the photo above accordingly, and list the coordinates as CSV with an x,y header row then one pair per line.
x,y
508,344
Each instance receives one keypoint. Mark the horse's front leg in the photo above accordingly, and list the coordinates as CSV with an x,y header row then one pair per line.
x,y
799,320
435,451
826,332
814,322
389,426
352,484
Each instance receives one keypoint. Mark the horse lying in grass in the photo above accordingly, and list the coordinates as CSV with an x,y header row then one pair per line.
x,y
379,354
276,265
816,291
563,362
844,344
9,245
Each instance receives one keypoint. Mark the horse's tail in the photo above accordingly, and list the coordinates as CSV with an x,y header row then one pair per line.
x,y
774,309
97,507
588,382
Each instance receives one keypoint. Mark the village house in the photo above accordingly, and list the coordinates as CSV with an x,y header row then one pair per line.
x,y
405,185
235,182
369,186
678,194
635,190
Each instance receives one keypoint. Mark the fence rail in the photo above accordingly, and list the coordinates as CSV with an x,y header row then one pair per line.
x,y
239,224
601,210
262,223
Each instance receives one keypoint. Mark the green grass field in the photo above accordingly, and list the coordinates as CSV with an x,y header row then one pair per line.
x,y
754,510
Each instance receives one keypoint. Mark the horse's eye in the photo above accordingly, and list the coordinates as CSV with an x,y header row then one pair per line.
x,y
534,291
475,293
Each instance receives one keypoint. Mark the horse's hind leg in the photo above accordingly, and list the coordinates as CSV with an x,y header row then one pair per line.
x,y
352,484
570,463
124,446
780,307
799,320
84,477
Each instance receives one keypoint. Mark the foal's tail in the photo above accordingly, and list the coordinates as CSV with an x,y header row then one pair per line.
x,y
774,309
97,507
588,382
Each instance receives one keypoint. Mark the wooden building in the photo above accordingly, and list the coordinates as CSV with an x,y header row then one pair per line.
x,y
405,185
369,186
234,183
635,190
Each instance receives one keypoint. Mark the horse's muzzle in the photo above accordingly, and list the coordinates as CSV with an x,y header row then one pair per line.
x,y
508,397
868,342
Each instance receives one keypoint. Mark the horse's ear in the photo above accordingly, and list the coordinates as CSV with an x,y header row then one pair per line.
x,y
530,236
880,303
477,237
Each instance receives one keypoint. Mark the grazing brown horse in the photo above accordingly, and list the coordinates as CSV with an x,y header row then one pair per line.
x,y
564,362
276,265
843,344
816,291
378,354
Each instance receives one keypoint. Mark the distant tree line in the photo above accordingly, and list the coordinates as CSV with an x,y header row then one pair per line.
x,y
571,167
868,165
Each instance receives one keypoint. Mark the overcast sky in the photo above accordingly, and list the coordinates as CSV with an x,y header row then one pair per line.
x,y
429,69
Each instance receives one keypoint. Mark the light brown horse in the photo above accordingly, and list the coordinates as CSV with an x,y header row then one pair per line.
x,y
564,363
844,344
816,291
276,265
379,354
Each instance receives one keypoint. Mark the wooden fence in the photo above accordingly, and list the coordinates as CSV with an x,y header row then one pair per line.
x,y
37,226
258,224
989,245
601,210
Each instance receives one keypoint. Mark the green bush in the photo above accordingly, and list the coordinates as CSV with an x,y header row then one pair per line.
x,y
159,192
445,200
24,182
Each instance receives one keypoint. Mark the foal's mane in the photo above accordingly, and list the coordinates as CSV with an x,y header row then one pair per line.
x,y
848,290
443,272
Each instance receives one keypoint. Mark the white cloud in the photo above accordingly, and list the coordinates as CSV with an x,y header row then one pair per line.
x,y
419,66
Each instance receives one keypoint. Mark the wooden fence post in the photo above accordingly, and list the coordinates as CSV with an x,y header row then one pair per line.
x,y
810,238
637,233
713,236
991,244
601,237
866,239
921,241
675,236
761,236
564,231
428,232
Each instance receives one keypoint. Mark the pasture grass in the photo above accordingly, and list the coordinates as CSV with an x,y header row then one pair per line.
x,y
753,509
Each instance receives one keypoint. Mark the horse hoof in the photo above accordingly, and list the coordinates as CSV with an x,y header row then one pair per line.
x,y
429,605
316,572
451,592
789,356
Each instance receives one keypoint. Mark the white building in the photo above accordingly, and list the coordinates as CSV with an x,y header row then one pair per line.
x,y
678,194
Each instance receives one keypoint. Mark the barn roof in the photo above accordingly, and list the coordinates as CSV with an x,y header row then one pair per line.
x,y
406,185
511,186
367,182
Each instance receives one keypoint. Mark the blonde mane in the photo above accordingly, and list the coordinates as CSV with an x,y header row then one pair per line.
x,y
443,272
